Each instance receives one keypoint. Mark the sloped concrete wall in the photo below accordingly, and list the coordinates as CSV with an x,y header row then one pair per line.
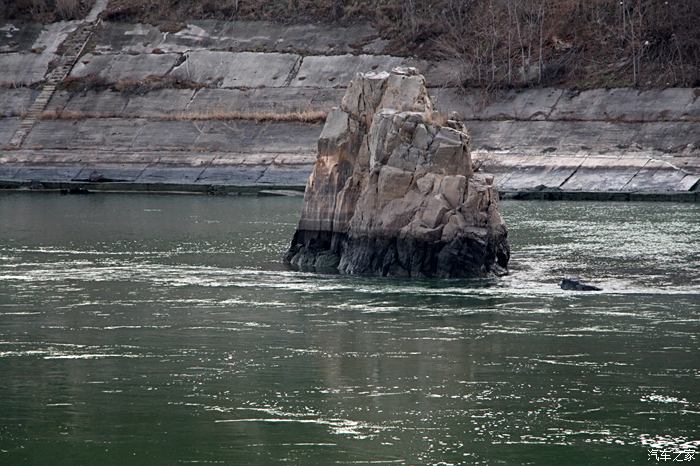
x,y
173,129
621,104
26,50
239,36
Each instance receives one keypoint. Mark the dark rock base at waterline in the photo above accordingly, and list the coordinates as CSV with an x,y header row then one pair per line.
x,y
463,257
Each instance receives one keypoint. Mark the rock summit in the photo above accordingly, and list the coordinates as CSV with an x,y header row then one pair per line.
x,y
393,191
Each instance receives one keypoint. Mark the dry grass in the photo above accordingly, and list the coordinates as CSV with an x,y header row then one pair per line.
x,y
495,43
46,11
68,8
154,83
95,82
492,43
74,115
301,116
84,83
593,43
437,119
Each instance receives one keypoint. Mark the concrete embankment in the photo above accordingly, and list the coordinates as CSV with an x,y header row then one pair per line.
x,y
143,109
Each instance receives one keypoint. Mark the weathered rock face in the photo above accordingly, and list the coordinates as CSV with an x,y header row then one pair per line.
x,y
393,192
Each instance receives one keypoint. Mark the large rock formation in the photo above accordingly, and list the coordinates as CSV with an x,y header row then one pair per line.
x,y
393,192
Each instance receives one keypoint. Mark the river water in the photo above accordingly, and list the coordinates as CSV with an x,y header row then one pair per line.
x,y
164,330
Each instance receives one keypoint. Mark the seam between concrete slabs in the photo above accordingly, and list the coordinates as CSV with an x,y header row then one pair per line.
x,y
509,175
294,71
551,110
137,134
622,188
205,168
583,159
192,97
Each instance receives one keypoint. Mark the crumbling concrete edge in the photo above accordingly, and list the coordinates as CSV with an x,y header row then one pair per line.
x,y
80,187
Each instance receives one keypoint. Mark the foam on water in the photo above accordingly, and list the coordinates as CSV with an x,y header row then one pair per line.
x,y
173,335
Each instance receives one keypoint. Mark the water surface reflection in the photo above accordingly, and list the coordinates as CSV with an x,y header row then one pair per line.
x,y
156,329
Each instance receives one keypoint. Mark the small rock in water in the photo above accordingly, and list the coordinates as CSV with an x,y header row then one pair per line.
x,y
575,284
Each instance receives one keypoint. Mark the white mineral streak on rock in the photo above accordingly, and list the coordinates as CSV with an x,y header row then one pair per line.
x,y
393,192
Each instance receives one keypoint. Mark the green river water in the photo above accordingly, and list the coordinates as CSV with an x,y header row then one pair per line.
x,y
165,330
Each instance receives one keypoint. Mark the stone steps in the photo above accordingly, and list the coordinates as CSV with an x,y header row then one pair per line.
x,y
73,48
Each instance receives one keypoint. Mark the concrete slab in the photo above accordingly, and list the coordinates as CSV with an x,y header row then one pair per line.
x,y
500,165
208,101
605,136
91,156
508,134
126,156
690,164
58,101
692,110
250,137
107,103
295,159
111,133
158,103
324,39
602,174
186,160
111,171
18,37
626,104
467,104
657,176
169,175
128,38
46,173
8,171
539,136
171,135
690,182
227,136
669,136
237,69
552,136
242,175
286,175
514,173
116,67
650,105
240,36
540,171
492,135
248,159
23,69
53,35
443,73
98,7
612,105
40,157
338,71
8,127
533,104
288,137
